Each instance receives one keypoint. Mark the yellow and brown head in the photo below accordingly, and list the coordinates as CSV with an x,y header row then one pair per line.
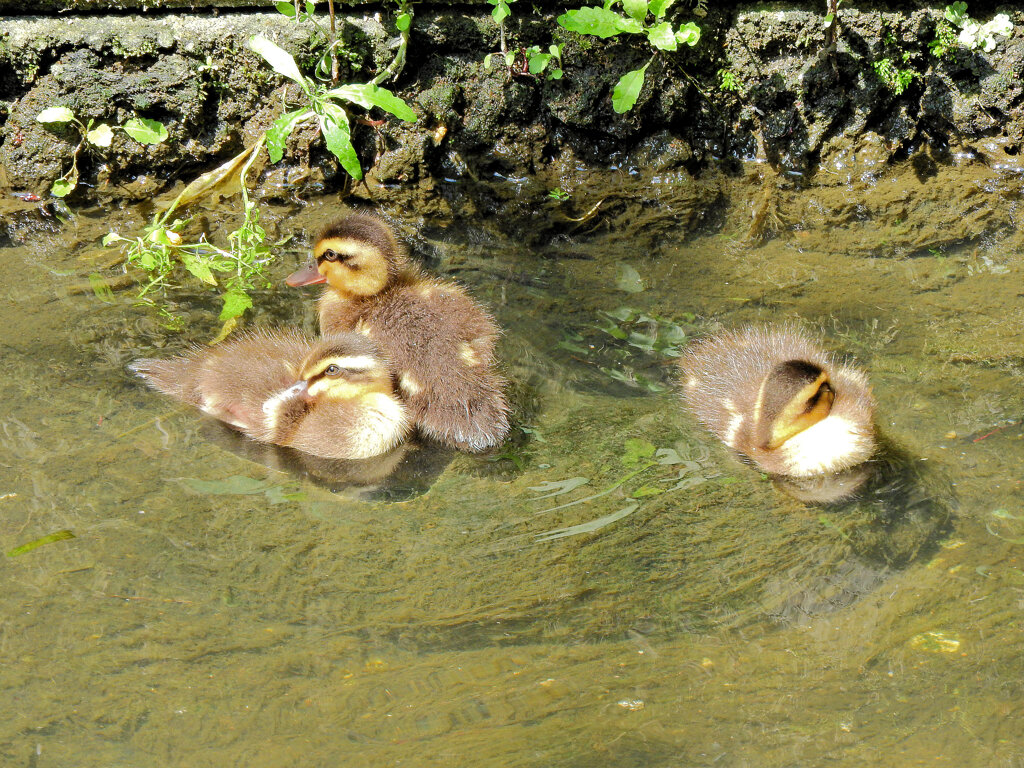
x,y
344,367
357,256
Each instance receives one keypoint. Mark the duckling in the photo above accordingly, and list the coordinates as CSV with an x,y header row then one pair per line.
x,y
330,398
439,340
774,396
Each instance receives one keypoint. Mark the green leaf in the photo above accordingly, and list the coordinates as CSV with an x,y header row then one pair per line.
x,y
662,37
636,450
55,115
279,60
101,288
403,21
590,527
627,91
334,126
101,135
538,62
198,267
48,539
500,13
556,74
368,95
591,20
236,301
635,9
688,34
145,131
279,132
286,8
629,279
659,7
557,487
61,187
112,237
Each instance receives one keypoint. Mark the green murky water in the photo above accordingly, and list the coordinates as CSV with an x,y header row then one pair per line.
x,y
212,611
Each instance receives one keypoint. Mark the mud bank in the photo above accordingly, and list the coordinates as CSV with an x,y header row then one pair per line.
x,y
795,104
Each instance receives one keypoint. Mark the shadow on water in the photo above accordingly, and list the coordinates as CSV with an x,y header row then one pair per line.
x,y
613,586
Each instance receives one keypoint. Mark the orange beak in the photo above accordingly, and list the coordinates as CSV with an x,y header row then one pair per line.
x,y
308,275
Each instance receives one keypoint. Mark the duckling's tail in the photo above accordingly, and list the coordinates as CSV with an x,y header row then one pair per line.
x,y
167,376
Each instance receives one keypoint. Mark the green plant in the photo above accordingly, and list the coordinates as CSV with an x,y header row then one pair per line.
x,y
972,35
499,13
642,17
97,135
162,249
325,107
897,80
630,346
530,61
728,81
558,194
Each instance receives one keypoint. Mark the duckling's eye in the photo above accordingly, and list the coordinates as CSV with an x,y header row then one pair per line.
x,y
332,370
329,255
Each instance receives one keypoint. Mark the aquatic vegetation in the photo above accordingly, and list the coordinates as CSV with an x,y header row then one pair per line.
x,y
99,135
631,346
641,18
242,485
48,539
639,456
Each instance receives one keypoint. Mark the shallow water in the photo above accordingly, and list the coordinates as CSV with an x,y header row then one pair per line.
x,y
212,611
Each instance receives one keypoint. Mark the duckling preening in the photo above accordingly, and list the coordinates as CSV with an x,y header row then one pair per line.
x,y
331,397
440,342
772,394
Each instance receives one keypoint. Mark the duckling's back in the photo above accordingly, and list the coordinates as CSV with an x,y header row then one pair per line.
x,y
441,346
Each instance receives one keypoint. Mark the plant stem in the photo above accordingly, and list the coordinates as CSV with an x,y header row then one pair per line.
x,y
394,69
334,40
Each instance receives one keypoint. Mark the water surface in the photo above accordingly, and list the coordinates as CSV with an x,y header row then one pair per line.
x,y
213,611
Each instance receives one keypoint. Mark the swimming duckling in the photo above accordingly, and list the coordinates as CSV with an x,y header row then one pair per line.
x,y
329,398
440,341
773,395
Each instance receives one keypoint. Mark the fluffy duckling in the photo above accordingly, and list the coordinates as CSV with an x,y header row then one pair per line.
x,y
440,341
329,398
773,395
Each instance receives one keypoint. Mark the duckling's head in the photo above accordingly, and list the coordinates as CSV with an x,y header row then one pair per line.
x,y
344,367
356,256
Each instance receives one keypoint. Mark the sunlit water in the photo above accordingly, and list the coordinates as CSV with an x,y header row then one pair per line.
x,y
614,588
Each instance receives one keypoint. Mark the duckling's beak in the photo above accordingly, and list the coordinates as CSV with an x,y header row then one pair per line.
x,y
308,275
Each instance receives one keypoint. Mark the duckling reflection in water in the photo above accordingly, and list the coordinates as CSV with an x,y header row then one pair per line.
x,y
406,471
774,396
330,398
439,340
